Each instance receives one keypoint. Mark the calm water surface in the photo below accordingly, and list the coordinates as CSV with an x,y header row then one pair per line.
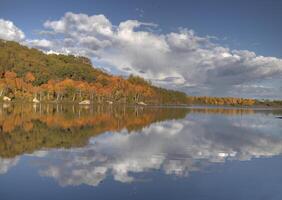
x,y
71,152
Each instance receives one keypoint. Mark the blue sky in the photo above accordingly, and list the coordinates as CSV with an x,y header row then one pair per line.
x,y
254,26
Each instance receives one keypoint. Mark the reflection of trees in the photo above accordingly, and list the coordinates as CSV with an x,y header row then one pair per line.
x,y
176,147
26,128
224,111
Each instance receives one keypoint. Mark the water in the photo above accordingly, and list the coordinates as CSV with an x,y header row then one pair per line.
x,y
108,152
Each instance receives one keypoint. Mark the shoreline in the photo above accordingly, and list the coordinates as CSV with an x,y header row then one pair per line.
x,y
198,106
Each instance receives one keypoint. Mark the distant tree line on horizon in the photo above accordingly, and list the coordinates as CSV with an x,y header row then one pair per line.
x,y
231,101
220,101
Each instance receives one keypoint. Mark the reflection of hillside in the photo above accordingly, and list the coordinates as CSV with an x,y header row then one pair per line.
x,y
224,111
177,147
134,143
26,128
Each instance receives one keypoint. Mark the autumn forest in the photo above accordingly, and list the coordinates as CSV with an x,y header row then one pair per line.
x,y
28,73
31,75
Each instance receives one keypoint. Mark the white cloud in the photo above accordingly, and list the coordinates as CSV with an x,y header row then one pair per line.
x,y
81,23
41,44
178,59
8,31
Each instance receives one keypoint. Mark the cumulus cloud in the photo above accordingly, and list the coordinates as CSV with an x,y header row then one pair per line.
x,y
40,44
8,31
180,60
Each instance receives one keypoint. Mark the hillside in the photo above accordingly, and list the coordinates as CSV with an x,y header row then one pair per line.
x,y
27,73
21,59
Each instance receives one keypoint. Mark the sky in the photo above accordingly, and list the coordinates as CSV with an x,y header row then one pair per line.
x,y
217,48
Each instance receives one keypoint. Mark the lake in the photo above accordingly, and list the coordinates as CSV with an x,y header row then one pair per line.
x,y
51,151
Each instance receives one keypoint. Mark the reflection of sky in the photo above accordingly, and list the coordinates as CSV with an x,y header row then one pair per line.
x,y
175,147
6,164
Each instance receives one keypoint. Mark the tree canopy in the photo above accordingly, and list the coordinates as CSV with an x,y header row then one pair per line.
x,y
27,73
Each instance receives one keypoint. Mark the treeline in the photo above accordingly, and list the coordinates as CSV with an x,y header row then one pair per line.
x,y
270,103
232,101
220,101
29,73
104,89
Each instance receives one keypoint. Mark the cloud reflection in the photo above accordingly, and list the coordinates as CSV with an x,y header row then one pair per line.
x,y
6,164
175,147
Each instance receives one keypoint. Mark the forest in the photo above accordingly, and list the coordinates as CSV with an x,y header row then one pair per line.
x,y
232,101
27,74
220,101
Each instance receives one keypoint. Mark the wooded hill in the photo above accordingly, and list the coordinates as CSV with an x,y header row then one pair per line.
x,y
27,73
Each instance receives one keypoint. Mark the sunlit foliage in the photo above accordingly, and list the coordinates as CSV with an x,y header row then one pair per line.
x,y
29,73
